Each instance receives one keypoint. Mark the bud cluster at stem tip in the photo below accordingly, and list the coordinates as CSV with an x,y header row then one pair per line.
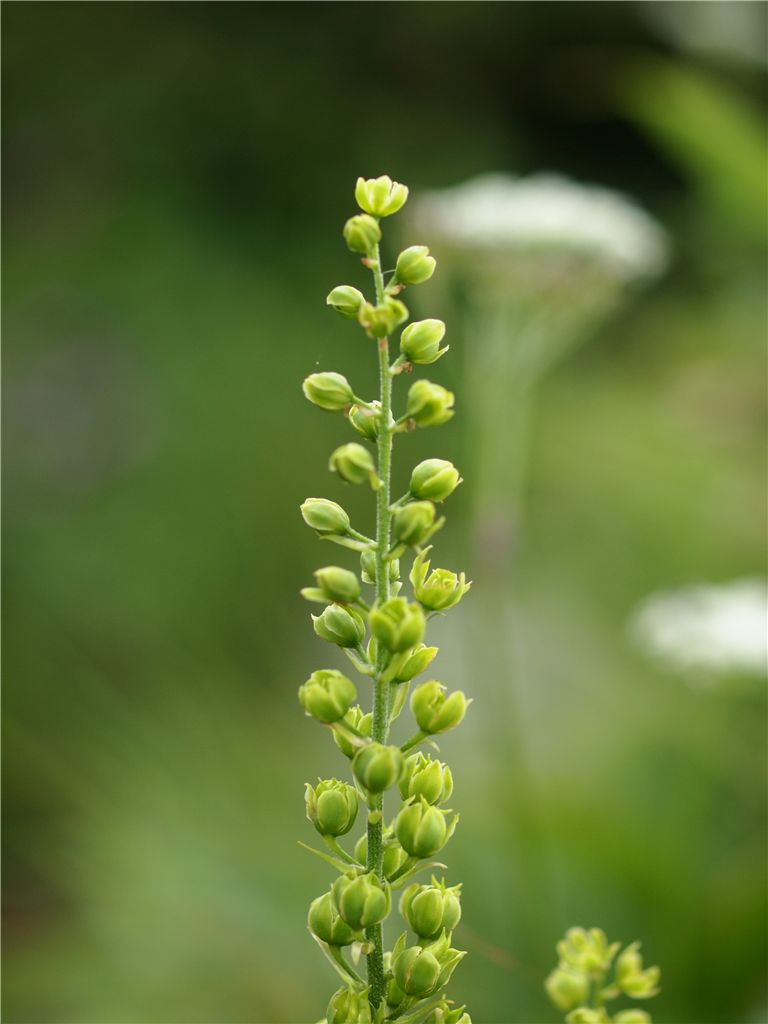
x,y
398,790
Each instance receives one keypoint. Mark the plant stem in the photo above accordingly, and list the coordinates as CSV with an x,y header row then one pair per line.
x,y
375,959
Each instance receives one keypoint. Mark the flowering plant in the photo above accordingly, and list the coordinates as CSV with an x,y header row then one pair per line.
x,y
384,640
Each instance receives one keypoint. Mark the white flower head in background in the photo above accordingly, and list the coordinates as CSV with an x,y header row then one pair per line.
x,y
706,631
499,213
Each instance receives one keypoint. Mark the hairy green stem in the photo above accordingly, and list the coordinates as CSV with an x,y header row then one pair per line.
x,y
379,730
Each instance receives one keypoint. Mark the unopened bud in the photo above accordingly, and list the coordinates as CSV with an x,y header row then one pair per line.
x,y
430,909
434,480
429,404
418,660
381,196
365,419
435,712
325,516
632,1017
358,720
414,523
337,584
361,900
346,300
423,777
415,265
422,829
368,567
326,923
567,987
394,856
340,625
380,321
329,391
349,1007
354,464
420,341
327,695
377,767
362,233
397,624
416,971
331,806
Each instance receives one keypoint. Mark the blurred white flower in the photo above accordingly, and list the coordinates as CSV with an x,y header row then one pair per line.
x,y
711,630
499,212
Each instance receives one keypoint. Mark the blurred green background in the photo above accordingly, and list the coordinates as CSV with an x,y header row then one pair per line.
x,y
176,177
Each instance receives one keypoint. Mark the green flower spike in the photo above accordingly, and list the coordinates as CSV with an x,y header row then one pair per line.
x,y
581,984
381,632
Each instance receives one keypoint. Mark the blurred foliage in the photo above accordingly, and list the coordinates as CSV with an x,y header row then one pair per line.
x,y
176,178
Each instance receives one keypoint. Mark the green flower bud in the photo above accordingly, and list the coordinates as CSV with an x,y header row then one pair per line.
x,y
567,988
346,300
414,523
354,464
394,995
435,712
368,567
358,720
361,900
429,909
380,197
441,590
418,660
362,234
415,265
420,341
443,1014
338,584
397,624
434,480
422,829
587,951
416,971
632,1017
329,391
377,767
380,321
326,923
340,625
428,404
327,695
394,856
366,420
325,516
331,807
586,1015
423,777
349,1007
630,976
